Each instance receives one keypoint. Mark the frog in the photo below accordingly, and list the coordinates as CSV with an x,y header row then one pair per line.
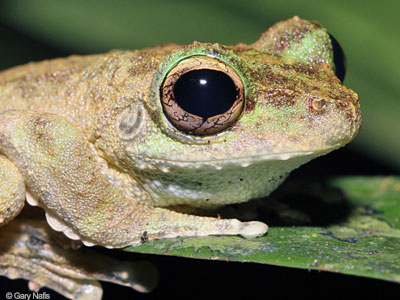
x,y
126,147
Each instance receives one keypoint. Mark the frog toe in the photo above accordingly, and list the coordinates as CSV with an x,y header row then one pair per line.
x,y
253,229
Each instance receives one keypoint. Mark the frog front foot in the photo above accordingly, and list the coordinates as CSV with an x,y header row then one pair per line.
x,y
61,172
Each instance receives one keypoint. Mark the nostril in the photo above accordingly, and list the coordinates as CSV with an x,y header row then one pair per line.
x,y
318,104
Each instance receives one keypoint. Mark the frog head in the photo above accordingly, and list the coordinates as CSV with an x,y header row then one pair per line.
x,y
223,124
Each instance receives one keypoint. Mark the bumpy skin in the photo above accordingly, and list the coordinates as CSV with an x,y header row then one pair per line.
x,y
88,137
46,258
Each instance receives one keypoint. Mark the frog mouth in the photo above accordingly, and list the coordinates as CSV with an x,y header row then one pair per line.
x,y
244,161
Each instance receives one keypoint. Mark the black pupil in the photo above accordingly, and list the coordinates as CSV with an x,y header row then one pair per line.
x,y
338,58
205,93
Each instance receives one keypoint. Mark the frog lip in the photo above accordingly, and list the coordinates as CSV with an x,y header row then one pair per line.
x,y
243,160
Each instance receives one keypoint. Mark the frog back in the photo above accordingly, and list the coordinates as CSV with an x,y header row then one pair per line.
x,y
69,87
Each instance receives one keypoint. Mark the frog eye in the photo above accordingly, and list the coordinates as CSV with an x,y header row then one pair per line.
x,y
202,95
338,58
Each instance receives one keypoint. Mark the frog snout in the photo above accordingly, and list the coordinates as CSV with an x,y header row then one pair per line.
x,y
340,119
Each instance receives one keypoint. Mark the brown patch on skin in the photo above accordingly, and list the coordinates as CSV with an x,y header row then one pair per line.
x,y
286,40
307,69
250,105
257,125
57,76
350,97
342,105
345,100
281,98
316,69
348,108
277,78
40,122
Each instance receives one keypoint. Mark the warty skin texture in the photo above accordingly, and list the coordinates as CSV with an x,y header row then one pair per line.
x,y
96,151
87,139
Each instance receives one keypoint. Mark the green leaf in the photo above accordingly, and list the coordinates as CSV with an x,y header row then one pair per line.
x,y
366,242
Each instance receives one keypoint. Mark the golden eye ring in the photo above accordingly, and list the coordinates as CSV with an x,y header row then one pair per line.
x,y
202,96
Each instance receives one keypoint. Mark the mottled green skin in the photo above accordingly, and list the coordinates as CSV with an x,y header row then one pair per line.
x,y
108,108
90,141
